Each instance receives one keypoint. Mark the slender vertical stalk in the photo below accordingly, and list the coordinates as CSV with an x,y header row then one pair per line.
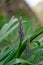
x,y
21,35
21,32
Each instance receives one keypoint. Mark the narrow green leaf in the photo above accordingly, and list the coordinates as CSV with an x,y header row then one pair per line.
x,y
7,33
22,48
8,51
16,61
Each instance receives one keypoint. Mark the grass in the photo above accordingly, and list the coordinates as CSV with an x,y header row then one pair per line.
x,y
14,54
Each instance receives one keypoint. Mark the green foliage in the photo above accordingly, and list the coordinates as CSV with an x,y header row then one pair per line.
x,y
11,56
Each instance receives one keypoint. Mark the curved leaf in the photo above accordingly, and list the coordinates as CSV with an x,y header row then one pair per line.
x,y
16,61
